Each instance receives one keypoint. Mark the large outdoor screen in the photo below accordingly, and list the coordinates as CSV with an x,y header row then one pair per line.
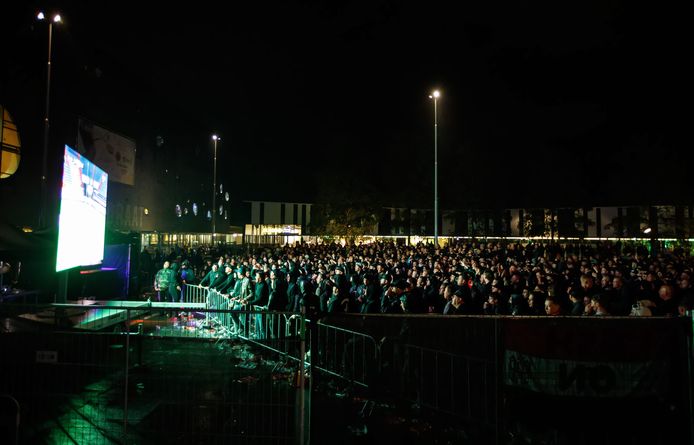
x,y
82,222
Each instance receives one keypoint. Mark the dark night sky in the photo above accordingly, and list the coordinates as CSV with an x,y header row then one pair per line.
x,y
544,103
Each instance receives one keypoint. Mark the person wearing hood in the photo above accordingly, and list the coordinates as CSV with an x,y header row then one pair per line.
x,y
186,275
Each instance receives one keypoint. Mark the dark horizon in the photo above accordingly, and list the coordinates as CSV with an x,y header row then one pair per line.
x,y
543,105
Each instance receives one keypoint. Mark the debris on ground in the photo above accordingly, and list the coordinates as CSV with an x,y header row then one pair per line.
x,y
248,379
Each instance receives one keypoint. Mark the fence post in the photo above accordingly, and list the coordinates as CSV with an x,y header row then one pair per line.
x,y
127,366
499,381
10,423
302,375
688,358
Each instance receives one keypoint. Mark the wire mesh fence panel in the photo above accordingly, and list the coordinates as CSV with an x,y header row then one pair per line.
x,y
218,375
166,374
69,385
345,353
455,384
193,391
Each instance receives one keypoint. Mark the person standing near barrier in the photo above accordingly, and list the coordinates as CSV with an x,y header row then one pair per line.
x,y
370,297
324,290
165,285
456,305
185,276
175,288
552,307
206,268
221,278
242,291
211,276
164,280
259,298
277,298
293,294
310,307
227,285
277,301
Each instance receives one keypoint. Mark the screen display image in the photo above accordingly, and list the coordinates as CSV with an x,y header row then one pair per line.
x,y
82,223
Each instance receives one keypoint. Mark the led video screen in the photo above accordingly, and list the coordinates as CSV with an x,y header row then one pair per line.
x,y
82,222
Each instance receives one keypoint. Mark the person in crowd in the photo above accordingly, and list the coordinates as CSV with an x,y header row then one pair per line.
x,y
206,268
164,281
666,305
619,297
185,276
598,302
261,293
277,298
457,305
552,307
492,306
370,297
226,285
324,288
577,305
518,304
293,293
391,303
211,276
221,278
237,299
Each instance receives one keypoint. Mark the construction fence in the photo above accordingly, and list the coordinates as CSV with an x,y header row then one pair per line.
x,y
153,374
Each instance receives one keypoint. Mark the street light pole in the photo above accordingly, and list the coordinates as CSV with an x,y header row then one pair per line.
x,y
46,122
435,95
215,138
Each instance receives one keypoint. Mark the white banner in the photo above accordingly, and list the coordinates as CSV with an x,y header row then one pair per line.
x,y
110,151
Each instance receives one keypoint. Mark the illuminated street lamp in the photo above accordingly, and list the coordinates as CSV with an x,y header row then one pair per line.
x,y
216,139
435,95
55,19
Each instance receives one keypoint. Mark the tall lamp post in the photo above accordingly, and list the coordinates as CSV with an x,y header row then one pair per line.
x,y
435,95
215,139
44,176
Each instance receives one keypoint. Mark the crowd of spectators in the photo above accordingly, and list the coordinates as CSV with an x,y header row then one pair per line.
x,y
494,278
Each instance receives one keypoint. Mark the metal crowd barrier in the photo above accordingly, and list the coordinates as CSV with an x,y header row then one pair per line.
x,y
456,384
194,293
351,355
250,323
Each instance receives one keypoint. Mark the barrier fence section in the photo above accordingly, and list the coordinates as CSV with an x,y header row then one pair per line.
x,y
251,323
155,378
514,376
353,356
193,293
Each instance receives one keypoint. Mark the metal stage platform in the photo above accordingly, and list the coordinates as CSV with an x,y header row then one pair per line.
x,y
94,315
